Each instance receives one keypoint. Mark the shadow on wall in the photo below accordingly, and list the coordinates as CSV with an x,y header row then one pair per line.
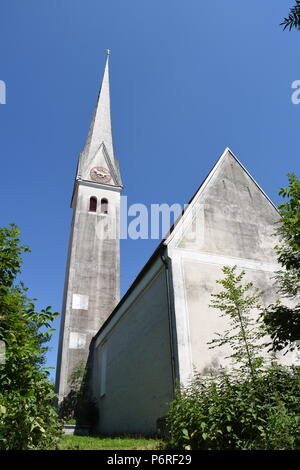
x,y
78,407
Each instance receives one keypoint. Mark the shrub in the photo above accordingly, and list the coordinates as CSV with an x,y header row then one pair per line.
x,y
231,412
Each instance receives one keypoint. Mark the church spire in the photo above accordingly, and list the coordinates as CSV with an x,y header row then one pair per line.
x,y
99,141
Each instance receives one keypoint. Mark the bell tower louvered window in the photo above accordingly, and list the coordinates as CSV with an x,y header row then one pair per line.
x,y
93,204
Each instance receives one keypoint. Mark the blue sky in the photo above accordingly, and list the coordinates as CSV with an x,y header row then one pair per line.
x,y
188,78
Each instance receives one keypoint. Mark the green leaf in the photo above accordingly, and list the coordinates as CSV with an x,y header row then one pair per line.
x,y
2,409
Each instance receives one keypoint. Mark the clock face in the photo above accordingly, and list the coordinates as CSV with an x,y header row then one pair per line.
x,y
100,174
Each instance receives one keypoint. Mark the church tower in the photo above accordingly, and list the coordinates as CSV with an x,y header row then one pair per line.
x,y
93,266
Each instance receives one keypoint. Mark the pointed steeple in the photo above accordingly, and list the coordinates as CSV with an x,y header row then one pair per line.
x,y
99,149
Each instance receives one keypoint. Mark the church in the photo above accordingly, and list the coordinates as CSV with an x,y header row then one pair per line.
x,y
138,348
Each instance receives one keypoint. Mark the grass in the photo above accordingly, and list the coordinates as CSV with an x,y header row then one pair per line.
x,y
70,442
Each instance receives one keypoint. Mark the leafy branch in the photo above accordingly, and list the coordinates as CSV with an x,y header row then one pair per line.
x,y
293,19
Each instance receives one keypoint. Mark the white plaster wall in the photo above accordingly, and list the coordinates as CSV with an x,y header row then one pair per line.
x,y
138,363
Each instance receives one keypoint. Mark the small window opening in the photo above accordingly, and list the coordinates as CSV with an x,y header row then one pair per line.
x,y
104,206
93,204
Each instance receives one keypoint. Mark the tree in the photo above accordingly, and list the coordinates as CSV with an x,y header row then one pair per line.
x,y
237,301
28,418
283,322
293,19
289,228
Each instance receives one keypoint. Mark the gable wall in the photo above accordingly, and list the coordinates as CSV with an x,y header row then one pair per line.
x,y
230,222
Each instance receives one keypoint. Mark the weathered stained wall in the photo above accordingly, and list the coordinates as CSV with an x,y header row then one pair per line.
x,y
230,222
236,217
137,368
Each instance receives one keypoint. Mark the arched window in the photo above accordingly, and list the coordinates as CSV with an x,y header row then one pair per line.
x,y
104,206
93,204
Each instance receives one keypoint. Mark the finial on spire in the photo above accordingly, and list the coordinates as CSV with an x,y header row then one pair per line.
x,y
108,51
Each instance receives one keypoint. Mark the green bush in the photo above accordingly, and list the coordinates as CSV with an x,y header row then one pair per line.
x,y
257,404
231,412
28,419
